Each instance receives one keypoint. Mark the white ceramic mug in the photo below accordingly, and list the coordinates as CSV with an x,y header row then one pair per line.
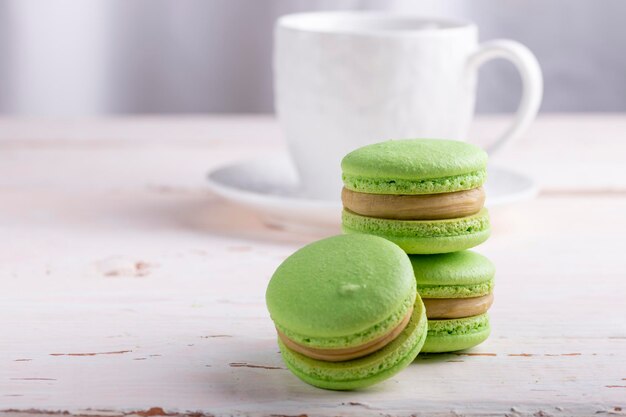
x,y
348,79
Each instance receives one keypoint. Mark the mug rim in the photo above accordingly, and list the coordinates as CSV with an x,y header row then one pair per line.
x,y
306,22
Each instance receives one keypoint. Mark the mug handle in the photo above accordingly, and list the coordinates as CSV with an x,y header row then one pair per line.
x,y
532,82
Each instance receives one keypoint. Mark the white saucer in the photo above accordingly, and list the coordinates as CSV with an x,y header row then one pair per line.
x,y
269,187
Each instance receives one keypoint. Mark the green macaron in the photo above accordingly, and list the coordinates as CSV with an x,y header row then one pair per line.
x,y
457,291
415,166
423,236
340,294
442,171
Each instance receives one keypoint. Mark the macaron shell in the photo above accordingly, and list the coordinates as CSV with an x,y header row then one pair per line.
x,y
461,274
456,291
456,334
341,291
415,187
366,371
458,268
423,236
414,166
432,245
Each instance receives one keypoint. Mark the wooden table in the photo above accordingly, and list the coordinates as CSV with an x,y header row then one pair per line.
x,y
126,288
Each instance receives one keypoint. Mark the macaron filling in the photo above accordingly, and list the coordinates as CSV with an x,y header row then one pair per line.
x,y
367,370
344,354
415,207
355,339
452,308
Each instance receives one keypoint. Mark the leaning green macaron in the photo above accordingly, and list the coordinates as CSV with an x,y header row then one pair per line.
x,y
415,166
457,290
347,312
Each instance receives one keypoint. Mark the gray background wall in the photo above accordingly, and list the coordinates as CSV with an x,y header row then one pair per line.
x,y
76,58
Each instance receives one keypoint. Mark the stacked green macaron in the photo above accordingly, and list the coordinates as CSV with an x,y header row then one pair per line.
x,y
347,312
457,290
423,194
426,196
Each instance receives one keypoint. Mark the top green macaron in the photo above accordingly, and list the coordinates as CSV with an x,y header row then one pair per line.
x,y
461,274
415,166
342,291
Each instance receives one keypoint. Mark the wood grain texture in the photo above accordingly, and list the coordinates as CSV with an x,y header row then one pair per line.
x,y
127,289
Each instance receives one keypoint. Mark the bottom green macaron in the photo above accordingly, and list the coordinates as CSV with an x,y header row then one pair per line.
x,y
423,236
365,371
456,334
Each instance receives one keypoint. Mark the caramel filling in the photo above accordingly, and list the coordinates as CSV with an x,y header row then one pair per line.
x,y
345,354
455,308
415,207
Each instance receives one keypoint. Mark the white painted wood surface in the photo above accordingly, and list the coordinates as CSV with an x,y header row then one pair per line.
x,y
126,288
